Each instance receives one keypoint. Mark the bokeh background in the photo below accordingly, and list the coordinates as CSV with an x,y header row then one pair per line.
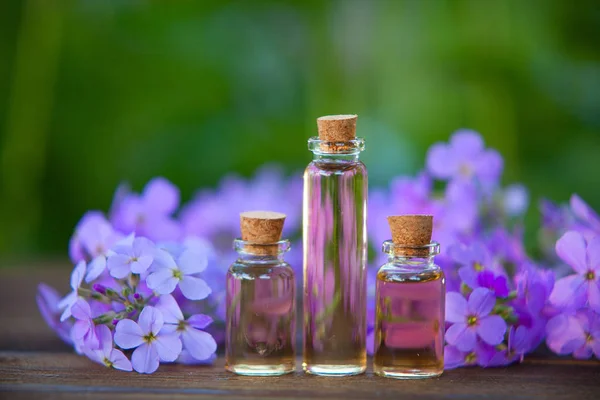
x,y
93,93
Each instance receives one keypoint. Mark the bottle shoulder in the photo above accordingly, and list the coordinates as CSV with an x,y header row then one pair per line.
x,y
280,269
324,167
392,272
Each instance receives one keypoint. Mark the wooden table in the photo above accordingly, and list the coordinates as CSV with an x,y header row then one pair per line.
x,y
34,363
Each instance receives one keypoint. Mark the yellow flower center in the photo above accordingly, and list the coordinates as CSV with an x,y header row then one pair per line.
x,y
478,266
177,274
107,362
590,275
465,170
472,320
149,338
470,358
181,326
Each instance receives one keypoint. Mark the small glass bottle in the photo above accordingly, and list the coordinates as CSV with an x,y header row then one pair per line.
x,y
409,326
260,329
335,251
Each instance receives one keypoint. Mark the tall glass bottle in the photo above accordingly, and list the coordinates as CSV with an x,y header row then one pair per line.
x,y
409,319
335,251
260,333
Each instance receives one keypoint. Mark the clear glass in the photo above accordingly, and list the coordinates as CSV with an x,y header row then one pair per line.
x,y
409,325
260,331
335,254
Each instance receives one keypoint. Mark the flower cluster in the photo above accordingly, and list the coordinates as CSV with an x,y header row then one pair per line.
x,y
499,303
149,284
121,311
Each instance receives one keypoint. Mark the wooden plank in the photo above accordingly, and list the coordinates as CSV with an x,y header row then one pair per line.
x,y
35,364
70,374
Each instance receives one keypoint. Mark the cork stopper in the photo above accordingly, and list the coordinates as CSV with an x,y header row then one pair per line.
x,y
336,129
411,230
262,227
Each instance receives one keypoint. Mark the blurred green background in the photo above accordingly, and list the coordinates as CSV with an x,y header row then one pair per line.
x,y
96,92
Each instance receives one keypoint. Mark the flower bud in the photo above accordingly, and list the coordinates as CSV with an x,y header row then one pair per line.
x,y
99,288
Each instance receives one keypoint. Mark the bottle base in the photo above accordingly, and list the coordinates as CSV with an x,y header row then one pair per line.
x,y
334,370
261,370
407,373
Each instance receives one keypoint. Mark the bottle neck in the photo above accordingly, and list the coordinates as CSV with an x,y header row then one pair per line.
x,y
260,253
335,157
417,257
412,262
251,258
334,152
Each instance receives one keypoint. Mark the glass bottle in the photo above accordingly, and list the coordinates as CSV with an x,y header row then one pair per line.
x,y
261,311
409,326
335,252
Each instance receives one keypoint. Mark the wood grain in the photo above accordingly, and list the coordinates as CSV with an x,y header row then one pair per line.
x,y
35,364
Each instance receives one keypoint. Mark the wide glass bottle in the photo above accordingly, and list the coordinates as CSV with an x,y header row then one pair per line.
x,y
409,326
335,251
260,329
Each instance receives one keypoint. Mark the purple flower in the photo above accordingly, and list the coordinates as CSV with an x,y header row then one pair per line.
x,y
464,158
136,258
574,333
215,214
76,278
474,259
47,300
534,286
581,288
497,284
589,338
84,330
472,319
169,273
149,214
106,354
199,344
588,221
482,354
151,345
515,200
93,236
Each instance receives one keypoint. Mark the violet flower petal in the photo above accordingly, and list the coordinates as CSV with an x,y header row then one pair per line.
x,y
162,281
481,302
594,295
200,321
593,253
168,346
95,268
141,265
170,309
456,307
440,161
161,196
119,265
453,358
104,338
461,336
194,288
77,275
191,262
150,320
145,359
569,291
128,334
491,329
200,344
571,249
119,360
